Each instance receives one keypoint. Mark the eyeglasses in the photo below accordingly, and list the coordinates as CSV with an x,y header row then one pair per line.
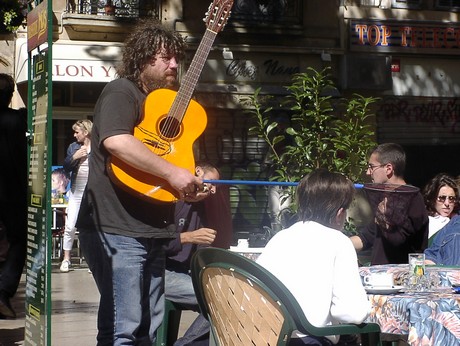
x,y
442,199
372,167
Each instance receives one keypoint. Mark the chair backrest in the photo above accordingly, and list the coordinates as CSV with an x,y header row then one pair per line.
x,y
241,308
239,297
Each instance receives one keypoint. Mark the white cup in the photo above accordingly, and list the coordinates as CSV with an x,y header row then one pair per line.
x,y
379,279
243,243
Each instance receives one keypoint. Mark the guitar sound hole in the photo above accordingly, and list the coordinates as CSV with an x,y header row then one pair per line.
x,y
169,127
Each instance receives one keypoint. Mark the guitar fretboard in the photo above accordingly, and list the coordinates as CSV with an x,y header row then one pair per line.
x,y
190,80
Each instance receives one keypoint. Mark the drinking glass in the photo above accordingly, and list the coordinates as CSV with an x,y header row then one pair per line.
x,y
417,280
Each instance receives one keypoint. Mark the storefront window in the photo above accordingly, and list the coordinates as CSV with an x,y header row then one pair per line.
x,y
448,5
271,11
119,8
411,4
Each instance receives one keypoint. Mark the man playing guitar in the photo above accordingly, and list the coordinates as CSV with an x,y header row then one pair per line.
x,y
122,235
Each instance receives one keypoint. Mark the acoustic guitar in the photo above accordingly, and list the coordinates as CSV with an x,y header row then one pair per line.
x,y
172,121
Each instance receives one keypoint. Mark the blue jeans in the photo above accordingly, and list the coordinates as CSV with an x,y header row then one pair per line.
x,y
179,289
129,276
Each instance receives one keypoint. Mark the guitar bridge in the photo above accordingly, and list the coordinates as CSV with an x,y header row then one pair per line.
x,y
158,146
155,143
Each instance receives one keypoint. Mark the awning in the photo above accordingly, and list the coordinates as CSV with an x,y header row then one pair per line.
x,y
74,61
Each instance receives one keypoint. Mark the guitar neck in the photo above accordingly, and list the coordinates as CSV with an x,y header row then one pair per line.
x,y
190,80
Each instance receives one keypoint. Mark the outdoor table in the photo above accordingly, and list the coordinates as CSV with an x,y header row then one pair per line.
x,y
448,276
427,318
250,252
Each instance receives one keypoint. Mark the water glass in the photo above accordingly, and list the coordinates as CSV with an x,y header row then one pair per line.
x,y
417,280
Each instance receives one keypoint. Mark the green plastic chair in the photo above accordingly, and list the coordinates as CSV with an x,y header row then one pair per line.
x,y
247,305
169,328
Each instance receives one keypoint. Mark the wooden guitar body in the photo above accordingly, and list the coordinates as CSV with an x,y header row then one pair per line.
x,y
165,137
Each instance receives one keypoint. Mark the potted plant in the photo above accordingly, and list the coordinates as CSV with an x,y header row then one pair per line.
x,y
324,131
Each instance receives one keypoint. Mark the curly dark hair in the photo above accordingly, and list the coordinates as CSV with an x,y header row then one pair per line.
x,y
431,190
147,39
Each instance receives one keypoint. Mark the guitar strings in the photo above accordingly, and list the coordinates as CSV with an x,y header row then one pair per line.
x,y
171,125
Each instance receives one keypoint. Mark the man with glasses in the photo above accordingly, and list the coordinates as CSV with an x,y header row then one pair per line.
x,y
391,242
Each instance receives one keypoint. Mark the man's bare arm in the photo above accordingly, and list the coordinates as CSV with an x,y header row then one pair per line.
x,y
357,242
129,149
202,236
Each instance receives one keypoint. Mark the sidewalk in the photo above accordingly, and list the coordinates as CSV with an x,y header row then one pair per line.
x,y
74,311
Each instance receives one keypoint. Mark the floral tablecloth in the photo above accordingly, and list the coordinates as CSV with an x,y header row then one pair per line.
x,y
428,318
448,276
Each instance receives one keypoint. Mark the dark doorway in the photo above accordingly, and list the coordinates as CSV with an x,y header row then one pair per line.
x,y
425,161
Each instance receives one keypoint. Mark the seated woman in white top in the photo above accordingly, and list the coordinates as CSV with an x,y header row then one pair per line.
x,y
440,195
315,260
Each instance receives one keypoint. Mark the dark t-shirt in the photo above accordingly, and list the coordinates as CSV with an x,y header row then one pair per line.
x,y
106,206
189,217
409,236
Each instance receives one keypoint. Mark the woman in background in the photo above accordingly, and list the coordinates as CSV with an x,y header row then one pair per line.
x,y
440,195
76,162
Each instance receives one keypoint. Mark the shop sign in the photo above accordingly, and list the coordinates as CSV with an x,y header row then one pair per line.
x,y
75,61
404,36
37,26
254,69
78,72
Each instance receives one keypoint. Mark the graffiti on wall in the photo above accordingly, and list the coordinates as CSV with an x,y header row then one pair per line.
x,y
429,110
423,119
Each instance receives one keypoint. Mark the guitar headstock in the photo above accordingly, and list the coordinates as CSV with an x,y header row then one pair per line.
x,y
217,15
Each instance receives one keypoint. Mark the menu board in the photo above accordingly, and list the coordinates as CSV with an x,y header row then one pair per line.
x,y
38,306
